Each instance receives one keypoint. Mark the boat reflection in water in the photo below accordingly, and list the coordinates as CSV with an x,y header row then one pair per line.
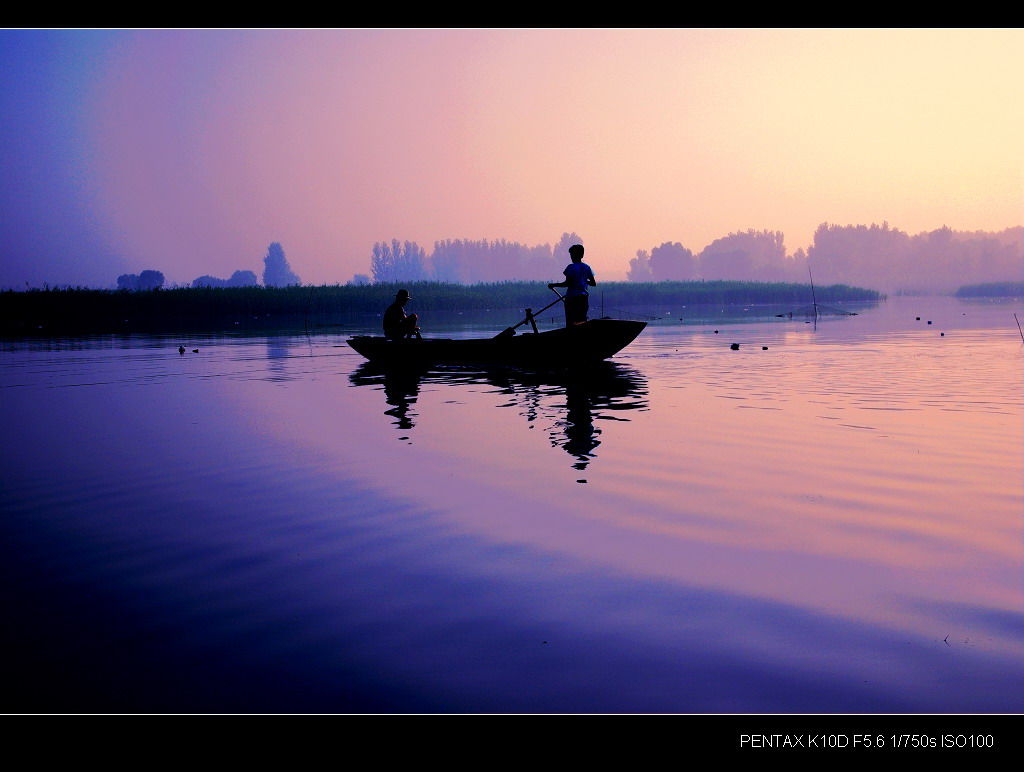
x,y
568,403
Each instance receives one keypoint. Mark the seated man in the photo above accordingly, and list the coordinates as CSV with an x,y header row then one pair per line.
x,y
398,325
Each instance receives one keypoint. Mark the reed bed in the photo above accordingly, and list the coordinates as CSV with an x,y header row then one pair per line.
x,y
82,310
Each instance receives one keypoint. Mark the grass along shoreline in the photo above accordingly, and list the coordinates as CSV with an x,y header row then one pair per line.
x,y
74,310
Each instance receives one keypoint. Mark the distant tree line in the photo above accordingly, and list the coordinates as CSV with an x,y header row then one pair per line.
x,y
276,273
876,256
749,256
938,261
465,261
995,289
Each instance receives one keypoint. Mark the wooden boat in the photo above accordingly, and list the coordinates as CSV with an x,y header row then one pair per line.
x,y
591,341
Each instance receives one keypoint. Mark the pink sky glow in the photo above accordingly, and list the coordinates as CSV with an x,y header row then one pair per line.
x,y
189,151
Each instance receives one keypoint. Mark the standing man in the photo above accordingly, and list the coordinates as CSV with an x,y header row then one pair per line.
x,y
397,325
578,276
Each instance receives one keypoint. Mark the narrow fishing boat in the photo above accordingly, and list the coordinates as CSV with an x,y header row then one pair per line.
x,y
590,341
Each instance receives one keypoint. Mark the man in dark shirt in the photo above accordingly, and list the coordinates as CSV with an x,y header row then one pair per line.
x,y
397,324
578,276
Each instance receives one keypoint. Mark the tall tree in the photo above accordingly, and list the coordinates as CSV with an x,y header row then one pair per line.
x,y
640,267
759,255
244,279
397,262
276,271
671,262
147,280
561,250
858,254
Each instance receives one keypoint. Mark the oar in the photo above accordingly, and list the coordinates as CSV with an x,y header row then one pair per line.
x,y
510,331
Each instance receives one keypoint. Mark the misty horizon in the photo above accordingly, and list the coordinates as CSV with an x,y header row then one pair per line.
x,y
877,257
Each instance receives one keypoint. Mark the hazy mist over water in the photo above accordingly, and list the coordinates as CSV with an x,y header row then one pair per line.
x,y
824,520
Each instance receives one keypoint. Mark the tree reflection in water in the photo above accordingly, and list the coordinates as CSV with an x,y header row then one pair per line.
x,y
572,401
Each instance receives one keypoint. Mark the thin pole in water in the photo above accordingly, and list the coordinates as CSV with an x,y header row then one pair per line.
x,y
1018,327
814,300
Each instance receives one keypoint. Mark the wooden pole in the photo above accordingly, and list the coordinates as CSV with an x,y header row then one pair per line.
x,y
533,322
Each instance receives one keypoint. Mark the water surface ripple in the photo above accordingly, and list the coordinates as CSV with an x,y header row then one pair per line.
x,y
825,519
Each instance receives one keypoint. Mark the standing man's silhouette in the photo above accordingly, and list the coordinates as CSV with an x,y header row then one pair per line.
x,y
578,276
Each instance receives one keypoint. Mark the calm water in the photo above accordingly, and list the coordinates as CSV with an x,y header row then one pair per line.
x,y
830,524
